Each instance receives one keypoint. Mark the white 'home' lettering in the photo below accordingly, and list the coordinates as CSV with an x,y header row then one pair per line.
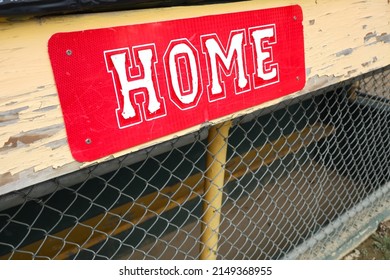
x,y
182,71
231,57
182,53
267,72
144,81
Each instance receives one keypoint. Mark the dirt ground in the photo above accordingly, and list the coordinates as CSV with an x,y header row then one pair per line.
x,y
376,247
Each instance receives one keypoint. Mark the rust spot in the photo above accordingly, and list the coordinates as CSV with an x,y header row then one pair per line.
x,y
28,137
384,37
365,64
25,139
6,178
368,63
312,21
369,35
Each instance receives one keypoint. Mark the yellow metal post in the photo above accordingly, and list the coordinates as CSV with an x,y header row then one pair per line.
x,y
214,182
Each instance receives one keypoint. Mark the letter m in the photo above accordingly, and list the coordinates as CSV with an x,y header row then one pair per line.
x,y
136,85
224,60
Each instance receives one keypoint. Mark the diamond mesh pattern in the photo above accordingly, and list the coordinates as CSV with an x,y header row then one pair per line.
x,y
290,172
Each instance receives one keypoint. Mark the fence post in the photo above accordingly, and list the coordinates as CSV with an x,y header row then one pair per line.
x,y
214,182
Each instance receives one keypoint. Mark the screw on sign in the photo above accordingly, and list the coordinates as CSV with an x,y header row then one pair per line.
x,y
143,82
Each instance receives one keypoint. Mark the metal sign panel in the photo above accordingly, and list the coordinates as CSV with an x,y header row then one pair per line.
x,y
127,85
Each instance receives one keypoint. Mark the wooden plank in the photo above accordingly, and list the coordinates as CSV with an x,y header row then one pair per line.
x,y
86,234
343,39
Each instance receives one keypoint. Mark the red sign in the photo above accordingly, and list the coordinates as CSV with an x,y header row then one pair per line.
x,y
123,86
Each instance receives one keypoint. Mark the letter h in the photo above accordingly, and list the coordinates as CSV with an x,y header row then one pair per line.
x,y
134,75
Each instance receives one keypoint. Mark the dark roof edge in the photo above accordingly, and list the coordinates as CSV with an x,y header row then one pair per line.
x,y
36,8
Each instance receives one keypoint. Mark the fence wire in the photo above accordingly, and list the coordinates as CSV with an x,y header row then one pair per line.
x,y
288,173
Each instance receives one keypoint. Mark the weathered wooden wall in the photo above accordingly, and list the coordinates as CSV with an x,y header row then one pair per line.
x,y
343,39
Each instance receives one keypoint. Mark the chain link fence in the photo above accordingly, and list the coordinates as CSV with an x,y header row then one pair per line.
x,y
283,182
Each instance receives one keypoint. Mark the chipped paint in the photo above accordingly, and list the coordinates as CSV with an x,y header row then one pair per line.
x,y
344,52
7,178
56,144
10,116
368,63
18,141
384,38
29,137
349,73
369,36
316,82
48,108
